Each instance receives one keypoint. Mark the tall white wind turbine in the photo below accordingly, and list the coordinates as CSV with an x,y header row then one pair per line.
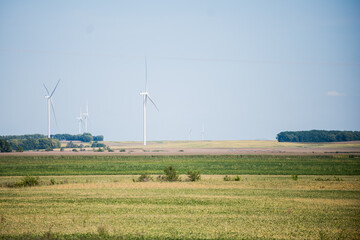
x,y
79,119
86,116
49,103
146,96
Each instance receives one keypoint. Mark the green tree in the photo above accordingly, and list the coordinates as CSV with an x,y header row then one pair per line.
x,y
5,146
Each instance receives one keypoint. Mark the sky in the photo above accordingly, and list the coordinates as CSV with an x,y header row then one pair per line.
x,y
239,70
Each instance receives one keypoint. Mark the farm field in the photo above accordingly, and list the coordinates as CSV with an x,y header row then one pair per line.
x,y
18,165
94,197
234,147
114,207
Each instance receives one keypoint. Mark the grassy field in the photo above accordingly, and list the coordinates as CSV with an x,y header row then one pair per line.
x,y
94,197
114,207
231,144
12,165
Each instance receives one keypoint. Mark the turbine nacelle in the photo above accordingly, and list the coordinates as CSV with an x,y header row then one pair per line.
x,y
144,93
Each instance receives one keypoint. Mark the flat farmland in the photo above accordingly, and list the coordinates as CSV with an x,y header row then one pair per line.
x,y
93,195
20,165
114,207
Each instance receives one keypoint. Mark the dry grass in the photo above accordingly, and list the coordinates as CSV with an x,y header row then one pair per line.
x,y
256,207
230,144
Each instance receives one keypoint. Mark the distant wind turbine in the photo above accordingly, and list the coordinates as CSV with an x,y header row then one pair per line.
x,y
79,119
86,116
202,132
49,102
146,96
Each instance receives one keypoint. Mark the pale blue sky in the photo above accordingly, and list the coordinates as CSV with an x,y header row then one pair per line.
x,y
244,69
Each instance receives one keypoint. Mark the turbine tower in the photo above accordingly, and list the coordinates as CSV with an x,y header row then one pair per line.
x,y
145,98
49,103
202,132
86,116
80,119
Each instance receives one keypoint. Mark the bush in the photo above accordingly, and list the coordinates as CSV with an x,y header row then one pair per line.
x,y
227,178
48,149
122,150
19,149
171,175
194,176
96,144
237,178
294,177
74,150
143,178
61,149
29,181
52,181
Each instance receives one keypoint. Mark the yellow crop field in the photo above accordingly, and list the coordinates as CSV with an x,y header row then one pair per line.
x,y
115,207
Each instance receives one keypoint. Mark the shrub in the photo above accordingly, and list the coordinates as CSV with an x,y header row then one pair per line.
x,y
122,150
294,177
99,150
143,178
194,176
102,231
52,181
74,150
48,149
29,181
237,178
19,149
96,144
227,178
61,149
171,175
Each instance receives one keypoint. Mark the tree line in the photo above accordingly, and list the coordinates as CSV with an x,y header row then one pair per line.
x,y
318,136
86,137
28,144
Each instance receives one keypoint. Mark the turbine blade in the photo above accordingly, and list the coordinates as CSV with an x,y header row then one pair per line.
x,y
145,75
46,89
153,103
52,107
55,88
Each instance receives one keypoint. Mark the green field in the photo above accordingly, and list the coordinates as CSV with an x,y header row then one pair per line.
x,y
94,197
206,164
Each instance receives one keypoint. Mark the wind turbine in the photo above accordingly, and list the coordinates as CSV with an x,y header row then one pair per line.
x,y
202,132
145,98
49,102
80,119
86,116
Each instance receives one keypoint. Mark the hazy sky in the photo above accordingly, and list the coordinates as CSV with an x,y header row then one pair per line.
x,y
243,69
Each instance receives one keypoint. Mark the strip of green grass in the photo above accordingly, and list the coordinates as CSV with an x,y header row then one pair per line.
x,y
206,164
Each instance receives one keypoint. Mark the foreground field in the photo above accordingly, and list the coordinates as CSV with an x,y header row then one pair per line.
x,y
12,165
114,207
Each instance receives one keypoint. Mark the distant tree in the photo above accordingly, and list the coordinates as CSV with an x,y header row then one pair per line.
x,y
98,138
318,136
19,149
5,146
